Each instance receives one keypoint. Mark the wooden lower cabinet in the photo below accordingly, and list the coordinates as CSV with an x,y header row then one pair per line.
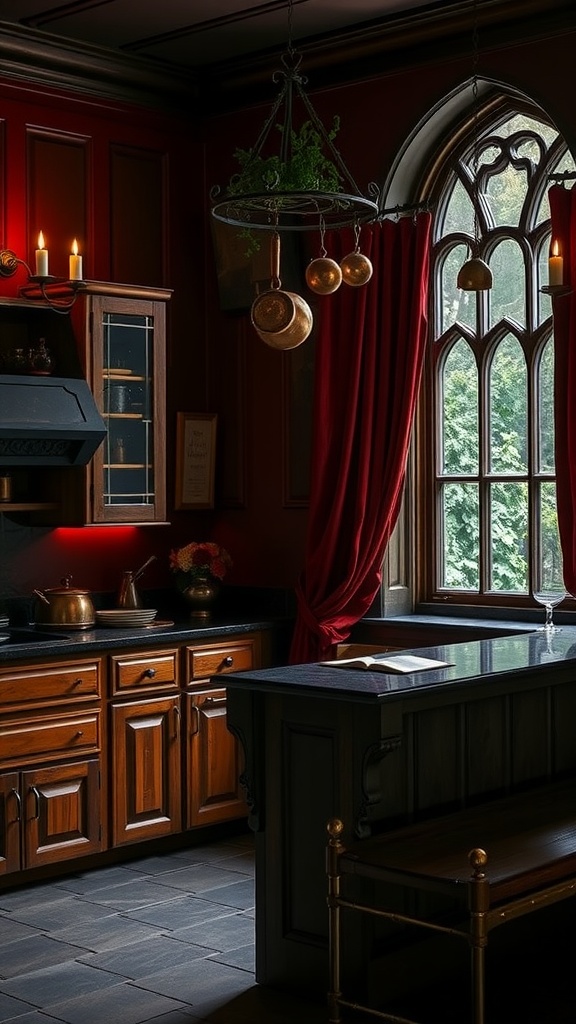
x,y
213,791
145,770
108,750
50,814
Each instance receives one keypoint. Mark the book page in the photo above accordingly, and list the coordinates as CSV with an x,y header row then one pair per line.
x,y
389,663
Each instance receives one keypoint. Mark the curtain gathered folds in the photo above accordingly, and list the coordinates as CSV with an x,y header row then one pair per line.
x,y
563,217
368,365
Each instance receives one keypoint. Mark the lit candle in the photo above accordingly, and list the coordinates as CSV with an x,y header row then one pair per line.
x,y
41,258
555,267
75,263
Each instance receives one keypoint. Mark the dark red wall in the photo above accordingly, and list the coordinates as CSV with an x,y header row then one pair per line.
x,y
133,186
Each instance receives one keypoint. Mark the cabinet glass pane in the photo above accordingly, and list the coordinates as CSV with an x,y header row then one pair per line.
x,y
128,409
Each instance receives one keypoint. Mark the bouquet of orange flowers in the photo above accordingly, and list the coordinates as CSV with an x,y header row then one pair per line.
x,y
199,561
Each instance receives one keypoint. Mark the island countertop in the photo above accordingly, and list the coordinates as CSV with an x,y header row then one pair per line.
x,y
469,663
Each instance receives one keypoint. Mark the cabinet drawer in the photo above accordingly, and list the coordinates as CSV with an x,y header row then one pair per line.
x,y
204,662
26,740
49,683
148,671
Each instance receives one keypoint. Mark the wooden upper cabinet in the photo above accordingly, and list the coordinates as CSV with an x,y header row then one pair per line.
x,y
126,339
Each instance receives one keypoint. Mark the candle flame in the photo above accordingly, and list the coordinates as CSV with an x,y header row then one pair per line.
x,y
555,248
40,240
74,248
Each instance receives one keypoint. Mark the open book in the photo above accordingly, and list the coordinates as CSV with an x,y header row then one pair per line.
x,y
388,663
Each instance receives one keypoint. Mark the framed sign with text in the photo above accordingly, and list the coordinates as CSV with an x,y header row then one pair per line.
x,y
195,459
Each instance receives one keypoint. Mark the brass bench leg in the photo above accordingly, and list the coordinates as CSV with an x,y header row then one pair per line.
x,y
334,849
479,905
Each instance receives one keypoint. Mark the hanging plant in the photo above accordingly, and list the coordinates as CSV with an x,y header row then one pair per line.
x,y
307,168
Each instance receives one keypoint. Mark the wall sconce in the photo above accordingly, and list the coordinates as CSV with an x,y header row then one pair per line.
x,y
63,292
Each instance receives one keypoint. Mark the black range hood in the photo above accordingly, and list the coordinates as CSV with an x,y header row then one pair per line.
x,y
48,421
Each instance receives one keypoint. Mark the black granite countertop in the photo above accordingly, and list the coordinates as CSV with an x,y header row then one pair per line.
x,y
25,643
470,662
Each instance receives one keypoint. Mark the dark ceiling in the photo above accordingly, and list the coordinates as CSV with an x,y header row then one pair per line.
x,y
190,35
219,52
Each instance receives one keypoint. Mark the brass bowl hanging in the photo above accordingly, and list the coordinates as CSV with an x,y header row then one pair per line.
x,y
356,269
281,319
323,275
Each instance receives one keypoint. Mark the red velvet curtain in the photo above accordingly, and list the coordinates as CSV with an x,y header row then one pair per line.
x,y
563,215
369,356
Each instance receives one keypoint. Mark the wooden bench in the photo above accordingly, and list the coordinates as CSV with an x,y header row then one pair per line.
x,y
498,861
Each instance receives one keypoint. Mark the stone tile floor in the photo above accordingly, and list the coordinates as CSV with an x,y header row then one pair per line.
x,y
170,939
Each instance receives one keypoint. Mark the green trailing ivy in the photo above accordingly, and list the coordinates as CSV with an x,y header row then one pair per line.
x,y
307,170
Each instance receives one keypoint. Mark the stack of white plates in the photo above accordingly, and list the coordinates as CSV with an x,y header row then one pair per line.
x,y
126,618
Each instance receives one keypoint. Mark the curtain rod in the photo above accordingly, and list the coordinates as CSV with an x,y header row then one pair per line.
x,y
405,208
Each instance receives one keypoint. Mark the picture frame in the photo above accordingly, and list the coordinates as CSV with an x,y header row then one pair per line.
x,y
195,459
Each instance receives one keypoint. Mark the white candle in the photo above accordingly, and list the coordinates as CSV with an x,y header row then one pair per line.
x,y
555,267
41,258
75,271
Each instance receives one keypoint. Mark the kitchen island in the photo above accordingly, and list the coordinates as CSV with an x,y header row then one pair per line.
x,y
376,750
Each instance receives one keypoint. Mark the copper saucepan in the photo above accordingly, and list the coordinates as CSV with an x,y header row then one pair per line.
x,y
282,319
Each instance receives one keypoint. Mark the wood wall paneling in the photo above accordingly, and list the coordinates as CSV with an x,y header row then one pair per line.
x,y
137,215
57,197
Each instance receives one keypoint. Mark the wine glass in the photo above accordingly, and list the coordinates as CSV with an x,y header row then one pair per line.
x,y
550,589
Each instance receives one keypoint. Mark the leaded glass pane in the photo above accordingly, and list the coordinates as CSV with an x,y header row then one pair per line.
x,y
454,306
459,214
460,542
460,412
509,537
545,391
508,293
508,409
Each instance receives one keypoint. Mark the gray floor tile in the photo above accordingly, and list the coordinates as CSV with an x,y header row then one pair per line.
x,y
112,932
196,878
221,933
30,896
34,1017
179,913
144,959
60,913
122,1004
139,892
241,862
11,1007
11,930
92,881
31,954
204,985
238,894
243,958
52,984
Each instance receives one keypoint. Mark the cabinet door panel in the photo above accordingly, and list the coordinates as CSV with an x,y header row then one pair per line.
x,y
214,791
10,815
146,769
62,812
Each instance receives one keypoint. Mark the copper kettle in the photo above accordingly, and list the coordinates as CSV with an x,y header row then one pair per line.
x,y
64,607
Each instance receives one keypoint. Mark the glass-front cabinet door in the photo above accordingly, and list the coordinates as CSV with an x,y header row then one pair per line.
x,y
128,379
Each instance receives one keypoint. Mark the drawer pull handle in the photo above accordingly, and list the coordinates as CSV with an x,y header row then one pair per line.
x,y
79,734
36,794
18,800
228,661
77,682
214,701
149,673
